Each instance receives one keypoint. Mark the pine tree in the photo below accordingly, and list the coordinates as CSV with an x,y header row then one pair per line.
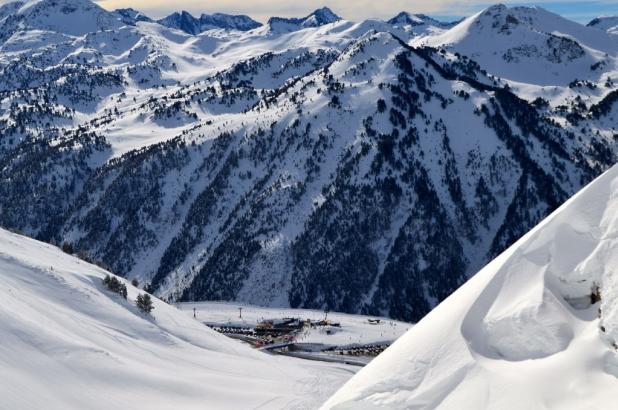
x,y
68,248
144,302
115,285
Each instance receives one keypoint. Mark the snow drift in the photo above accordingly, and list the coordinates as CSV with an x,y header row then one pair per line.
x,y
527,331
68,343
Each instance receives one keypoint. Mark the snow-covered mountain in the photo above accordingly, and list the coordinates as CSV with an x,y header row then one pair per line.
x,y
607,23
68,342
530,45
419,24
186,22
131,16
73,17
336,165
318,18
536,328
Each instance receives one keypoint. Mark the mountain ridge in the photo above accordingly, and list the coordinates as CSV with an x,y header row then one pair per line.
x,y
607,23
261,166
545,305
186,22
317,18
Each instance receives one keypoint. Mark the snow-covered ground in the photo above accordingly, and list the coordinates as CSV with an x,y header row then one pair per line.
x,y
522,333
68,343
355,329
531,48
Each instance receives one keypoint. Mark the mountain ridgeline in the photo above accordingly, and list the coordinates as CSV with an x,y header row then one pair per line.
x,y
360,173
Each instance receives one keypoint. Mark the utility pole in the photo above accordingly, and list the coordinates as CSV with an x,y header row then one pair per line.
x,y
240,312
194,317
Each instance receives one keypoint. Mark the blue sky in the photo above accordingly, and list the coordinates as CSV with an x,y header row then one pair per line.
x,y
582,11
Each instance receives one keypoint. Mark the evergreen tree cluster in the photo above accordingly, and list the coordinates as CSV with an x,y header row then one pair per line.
x,y
116,286
144,303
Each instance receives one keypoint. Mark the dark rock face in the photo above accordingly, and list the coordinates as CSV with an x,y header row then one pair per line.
x,y
192,25
131,16
318,18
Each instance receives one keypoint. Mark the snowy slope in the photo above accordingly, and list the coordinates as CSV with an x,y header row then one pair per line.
x,y
608,23
276,199
73,17
134,61
530,45
419,24
210,166
186,22
69,343
522,333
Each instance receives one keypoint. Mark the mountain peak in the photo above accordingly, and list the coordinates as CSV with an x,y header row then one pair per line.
x,y
131,16
605,23
496,8
408,19
186,22
419,23
520,11
228,21
324,15
72,17
405,18
317,18
183,21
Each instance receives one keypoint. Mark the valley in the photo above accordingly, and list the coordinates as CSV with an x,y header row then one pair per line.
x,y
204,164
216,210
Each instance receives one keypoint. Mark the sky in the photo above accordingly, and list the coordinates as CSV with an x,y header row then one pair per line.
x,y
261,10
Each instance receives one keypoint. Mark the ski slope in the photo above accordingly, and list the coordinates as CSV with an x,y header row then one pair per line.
x,y
522,333
67,343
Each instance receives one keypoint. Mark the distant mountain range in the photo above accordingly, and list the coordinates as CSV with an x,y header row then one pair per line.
x,y
318,18
368,166
192,25
186,22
